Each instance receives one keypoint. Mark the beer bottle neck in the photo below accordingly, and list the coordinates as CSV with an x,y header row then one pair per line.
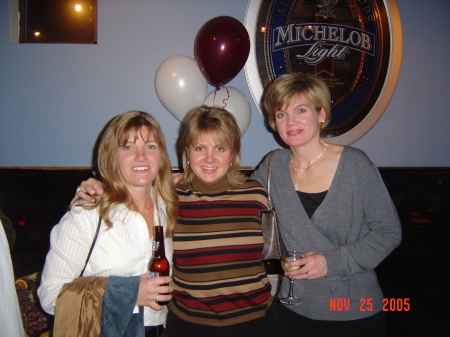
x,y
158,242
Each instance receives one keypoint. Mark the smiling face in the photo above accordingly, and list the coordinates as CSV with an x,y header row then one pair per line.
x,y
208,158
139,160
299,121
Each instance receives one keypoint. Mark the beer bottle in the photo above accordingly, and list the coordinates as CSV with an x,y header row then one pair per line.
x,y
160,265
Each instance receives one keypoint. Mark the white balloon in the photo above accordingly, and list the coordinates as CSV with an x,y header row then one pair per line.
x,y
180,85
235,102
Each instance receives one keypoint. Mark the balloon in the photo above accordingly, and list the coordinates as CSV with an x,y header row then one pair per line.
x,y
235,102
180,85
221,49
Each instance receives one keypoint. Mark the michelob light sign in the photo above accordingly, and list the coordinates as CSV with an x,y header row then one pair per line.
x,y
354,45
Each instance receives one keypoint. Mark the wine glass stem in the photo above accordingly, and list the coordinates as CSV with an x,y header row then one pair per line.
x,y
291,291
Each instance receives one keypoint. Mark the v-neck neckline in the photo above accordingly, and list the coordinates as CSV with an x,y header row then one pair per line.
x,y
330,190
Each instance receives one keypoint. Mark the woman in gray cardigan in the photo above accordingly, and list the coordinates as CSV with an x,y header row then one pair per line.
x,y
332,205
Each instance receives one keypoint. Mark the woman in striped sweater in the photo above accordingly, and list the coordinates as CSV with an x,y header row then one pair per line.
x,y
220,285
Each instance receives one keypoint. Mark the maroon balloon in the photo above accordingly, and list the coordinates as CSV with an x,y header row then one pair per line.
x,y
221,49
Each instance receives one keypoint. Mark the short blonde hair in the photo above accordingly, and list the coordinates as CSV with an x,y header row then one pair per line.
x,y
218,122
288,86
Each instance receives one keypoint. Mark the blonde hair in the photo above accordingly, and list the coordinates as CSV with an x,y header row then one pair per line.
x,y
218,122
288,86
115,135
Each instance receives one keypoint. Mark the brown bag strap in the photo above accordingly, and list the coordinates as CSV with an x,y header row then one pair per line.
x,y
269,169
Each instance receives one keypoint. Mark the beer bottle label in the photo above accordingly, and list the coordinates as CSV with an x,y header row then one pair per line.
x,y
152,274
155,245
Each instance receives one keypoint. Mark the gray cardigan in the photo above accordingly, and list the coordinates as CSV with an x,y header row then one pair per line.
x,y
355,227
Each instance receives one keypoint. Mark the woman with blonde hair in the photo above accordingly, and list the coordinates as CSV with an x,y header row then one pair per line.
x,y
220,284
138,195
333,206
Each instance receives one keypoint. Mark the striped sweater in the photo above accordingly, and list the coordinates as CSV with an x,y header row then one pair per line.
x,y
219,278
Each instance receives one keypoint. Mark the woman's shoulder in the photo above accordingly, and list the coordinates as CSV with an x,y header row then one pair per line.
x,y
356,158
280,153
250,183
75,223
355,152
78,211
278,157
250,190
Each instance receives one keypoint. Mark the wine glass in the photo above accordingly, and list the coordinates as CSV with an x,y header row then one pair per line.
x,y
289,256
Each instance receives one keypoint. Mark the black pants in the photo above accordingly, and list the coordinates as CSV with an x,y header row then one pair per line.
x,y
292,325
154,331
259,327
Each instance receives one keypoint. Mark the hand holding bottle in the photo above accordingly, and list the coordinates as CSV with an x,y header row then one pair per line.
x,y
154,290
159,265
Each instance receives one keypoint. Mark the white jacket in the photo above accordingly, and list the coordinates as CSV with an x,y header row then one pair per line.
x,y
123,250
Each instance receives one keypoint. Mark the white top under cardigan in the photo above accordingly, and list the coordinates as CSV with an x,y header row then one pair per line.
x,y
123,250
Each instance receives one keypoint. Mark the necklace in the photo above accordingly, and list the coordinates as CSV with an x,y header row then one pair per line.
x,y
297,172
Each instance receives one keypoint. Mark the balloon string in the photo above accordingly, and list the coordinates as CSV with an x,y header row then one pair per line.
x,y
214,98
224,100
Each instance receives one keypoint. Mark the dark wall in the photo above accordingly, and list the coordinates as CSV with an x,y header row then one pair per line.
x,y
35,200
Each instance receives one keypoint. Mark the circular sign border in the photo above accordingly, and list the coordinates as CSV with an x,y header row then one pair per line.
x,y
396,50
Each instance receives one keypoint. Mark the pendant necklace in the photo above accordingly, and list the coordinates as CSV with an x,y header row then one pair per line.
x,y
297,172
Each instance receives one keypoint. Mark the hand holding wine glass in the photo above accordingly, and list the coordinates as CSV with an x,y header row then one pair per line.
x,y
290,256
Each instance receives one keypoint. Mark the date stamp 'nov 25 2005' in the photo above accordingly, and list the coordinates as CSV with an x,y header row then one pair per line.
x,y
366,304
